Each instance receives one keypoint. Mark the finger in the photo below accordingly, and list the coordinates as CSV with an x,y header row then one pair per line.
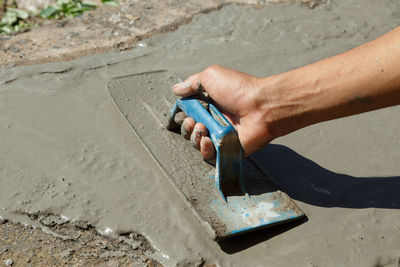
x,y
187,127
207,149
183,89
179,117
191,86
199,131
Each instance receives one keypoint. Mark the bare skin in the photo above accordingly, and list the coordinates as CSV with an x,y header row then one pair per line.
x,y
363,79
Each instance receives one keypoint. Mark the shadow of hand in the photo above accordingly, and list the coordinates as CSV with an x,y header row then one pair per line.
x,y
306,181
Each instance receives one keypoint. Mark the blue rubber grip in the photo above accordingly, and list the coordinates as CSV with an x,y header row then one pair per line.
x,y
193,108
228,170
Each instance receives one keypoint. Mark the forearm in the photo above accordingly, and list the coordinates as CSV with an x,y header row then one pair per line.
x,y
363,79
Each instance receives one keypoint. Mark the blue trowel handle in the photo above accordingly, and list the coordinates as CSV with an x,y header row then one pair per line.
x,y
228,169
193,108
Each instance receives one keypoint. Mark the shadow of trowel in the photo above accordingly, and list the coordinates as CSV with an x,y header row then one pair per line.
x,y
238,243
306,181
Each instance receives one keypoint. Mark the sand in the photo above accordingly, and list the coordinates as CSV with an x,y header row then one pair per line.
x,y
65,149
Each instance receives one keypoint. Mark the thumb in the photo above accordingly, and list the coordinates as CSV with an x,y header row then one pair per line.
x,y
191,86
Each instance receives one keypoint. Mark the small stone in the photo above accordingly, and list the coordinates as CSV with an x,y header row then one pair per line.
x,y
5,37
130,17
108,34
9,262
62,24
83,225
143,258
116,47
11,64
14,49
115,18
23,41
65,254
135,245
74,34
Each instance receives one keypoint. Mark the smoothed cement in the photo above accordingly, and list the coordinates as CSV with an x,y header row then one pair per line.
x,y
66,150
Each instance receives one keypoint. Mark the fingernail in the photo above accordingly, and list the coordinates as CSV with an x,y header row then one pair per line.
x,y
207,150
187,127
196,137
180,88
184,131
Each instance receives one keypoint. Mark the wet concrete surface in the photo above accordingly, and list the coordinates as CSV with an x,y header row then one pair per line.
x,y
65,149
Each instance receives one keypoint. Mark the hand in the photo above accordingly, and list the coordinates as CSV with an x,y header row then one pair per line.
x,y
238,97
262,109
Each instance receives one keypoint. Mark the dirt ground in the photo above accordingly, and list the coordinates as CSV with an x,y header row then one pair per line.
x,y
27,246
107,28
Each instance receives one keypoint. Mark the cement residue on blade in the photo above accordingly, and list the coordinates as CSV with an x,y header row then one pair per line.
x,y
145,100
56,126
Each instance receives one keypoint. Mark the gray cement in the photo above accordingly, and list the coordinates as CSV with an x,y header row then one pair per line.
x,y
65,149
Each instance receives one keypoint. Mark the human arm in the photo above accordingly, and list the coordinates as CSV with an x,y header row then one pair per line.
x,y
261,109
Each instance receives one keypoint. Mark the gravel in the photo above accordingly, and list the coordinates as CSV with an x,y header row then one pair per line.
x,y
9,262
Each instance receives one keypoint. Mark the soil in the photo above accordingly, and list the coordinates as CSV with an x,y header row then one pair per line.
x,y
28,246
106,28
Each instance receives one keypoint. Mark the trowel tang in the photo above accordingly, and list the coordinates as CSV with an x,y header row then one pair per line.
x,y
228,166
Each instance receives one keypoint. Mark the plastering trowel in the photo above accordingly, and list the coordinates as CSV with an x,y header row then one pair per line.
x,y
232,197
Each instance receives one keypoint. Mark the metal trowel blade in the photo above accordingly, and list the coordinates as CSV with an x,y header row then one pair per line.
x,y
144,99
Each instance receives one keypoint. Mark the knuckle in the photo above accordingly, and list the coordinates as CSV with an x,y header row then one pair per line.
x,y
191,77
211,69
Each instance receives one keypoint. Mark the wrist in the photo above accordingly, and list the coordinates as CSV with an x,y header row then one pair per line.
x,y
287,102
